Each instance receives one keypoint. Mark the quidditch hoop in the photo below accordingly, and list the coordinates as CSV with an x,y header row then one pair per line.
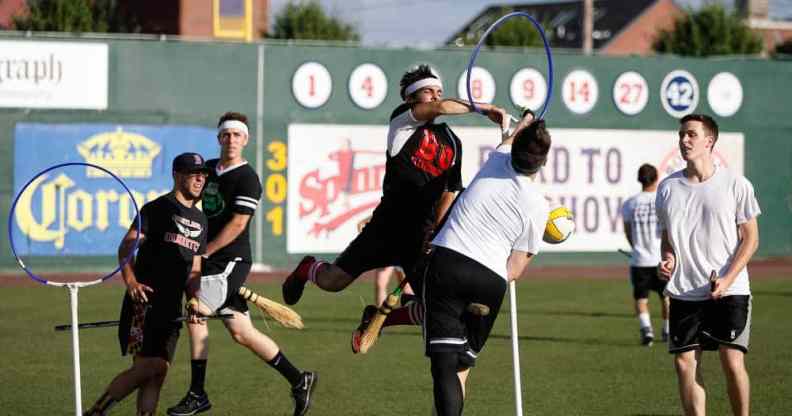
x,y
11,226
477,49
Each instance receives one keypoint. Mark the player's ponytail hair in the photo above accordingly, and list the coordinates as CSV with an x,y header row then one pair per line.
x,y
233,115
530,148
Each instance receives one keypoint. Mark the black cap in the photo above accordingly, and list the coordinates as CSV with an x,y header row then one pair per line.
x,y
189,163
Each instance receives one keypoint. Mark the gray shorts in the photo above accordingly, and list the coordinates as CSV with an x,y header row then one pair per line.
x,y
220,285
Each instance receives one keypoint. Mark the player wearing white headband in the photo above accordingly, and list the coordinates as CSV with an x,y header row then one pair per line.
x,y
422,176
230,199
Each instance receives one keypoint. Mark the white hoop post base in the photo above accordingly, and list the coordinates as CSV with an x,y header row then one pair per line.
x,y
515,349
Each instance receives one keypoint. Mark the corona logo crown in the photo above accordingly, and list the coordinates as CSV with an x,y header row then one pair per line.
x,y
127,155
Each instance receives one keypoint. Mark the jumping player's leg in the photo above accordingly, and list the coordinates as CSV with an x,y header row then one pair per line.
x,y
381,280
691,383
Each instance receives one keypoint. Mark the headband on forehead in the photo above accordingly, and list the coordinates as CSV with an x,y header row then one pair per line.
x,y
421,83
233,124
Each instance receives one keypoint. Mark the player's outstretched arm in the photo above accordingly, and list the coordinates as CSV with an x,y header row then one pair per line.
x,y
452,106
509,136
228,234
749,243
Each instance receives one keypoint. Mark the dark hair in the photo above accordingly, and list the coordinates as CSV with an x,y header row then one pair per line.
x,y
233,115
417,74
530,148
647,175
710,126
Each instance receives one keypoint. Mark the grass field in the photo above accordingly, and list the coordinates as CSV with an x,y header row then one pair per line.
x,y
578,344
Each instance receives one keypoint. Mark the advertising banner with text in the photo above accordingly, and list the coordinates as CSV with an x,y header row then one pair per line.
x,y
79,210
53,75
336,171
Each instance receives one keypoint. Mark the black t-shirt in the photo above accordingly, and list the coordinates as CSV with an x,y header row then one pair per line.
x,y
423,161
174,234
235,190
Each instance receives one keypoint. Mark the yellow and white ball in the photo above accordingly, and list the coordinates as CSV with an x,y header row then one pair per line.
x,y
560,225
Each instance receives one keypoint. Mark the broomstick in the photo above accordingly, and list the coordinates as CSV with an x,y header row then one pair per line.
x,y
281,313
371,334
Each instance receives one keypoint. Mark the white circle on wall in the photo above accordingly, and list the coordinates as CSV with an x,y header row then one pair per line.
x,y
482,85
312,84
630,93
679,93
528,89
368,86
725,94
580,91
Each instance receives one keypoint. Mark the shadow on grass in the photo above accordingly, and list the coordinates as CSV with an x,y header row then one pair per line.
x,y
579,341
771,293
576,313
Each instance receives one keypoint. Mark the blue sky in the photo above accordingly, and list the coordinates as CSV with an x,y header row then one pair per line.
x,y
428,23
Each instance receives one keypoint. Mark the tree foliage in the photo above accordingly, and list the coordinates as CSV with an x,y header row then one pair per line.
x,y
710,31
306,20
784,48
77,16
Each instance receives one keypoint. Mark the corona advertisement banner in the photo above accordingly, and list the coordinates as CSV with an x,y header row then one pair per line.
x,y
336,171
82,210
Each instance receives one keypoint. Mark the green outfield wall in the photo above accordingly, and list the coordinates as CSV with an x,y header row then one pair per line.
x,y
168,86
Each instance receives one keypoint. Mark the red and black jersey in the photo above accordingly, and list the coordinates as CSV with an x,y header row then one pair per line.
x,y
233,190
174,234
424,160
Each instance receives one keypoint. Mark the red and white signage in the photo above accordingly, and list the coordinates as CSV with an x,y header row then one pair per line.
x,y
335,181
336,171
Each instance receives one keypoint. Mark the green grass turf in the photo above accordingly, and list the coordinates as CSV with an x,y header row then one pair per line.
x,y
578,340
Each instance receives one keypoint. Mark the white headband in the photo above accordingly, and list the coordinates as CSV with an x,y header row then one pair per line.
x,y
232,124
425,82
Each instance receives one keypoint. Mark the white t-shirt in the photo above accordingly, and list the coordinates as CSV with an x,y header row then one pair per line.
x,y
499,212
701,220
639,212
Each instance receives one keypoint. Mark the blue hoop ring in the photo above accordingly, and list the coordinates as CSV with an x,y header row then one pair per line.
x,y
11,224
477,49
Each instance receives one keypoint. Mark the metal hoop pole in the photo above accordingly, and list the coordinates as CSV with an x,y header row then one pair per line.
x,y
75,349
515,350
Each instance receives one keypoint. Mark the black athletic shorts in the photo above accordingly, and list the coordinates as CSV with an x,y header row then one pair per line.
x,y
220,283
710,323
645,279
158,331
452,282
386,242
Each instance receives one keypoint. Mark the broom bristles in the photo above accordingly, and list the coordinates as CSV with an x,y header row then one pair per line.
x,y
371,334
280,313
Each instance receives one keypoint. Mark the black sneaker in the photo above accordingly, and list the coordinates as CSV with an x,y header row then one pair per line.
x,y
294,285
191,404
368,314
303,392
647,337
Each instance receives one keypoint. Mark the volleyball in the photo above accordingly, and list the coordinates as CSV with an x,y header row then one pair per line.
x,y
560,225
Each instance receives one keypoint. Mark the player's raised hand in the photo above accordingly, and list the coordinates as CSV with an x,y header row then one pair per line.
x,y
499,116
137,291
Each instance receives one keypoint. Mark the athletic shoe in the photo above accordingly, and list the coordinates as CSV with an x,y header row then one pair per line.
x,y
191,404
294,285
664,336
368,314
647,337
303,392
